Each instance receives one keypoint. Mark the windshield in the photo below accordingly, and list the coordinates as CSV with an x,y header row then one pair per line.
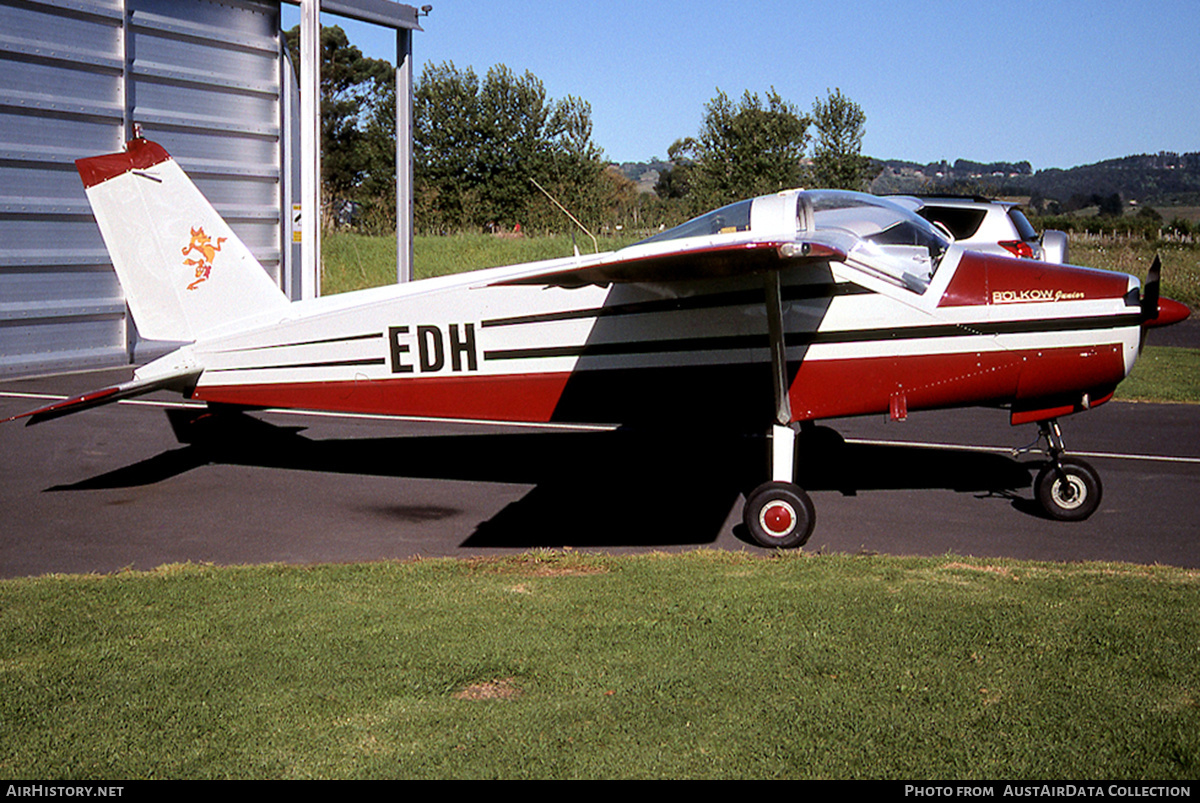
x,y
874,220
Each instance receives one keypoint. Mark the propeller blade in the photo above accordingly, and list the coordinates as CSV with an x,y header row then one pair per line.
x,y
1150,291
1149,309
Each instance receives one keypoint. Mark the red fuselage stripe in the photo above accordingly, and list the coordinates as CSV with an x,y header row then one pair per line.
x,y
822,388
528,397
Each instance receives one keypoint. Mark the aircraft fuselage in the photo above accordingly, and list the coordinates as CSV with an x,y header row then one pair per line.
x,y
987,330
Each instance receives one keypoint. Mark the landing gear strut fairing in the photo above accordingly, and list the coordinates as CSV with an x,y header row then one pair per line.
x,y
769,314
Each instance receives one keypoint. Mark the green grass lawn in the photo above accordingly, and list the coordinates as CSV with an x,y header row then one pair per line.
x,y
560,665
355,261
1163,373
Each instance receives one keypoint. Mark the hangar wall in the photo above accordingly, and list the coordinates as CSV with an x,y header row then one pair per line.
x,y
207,80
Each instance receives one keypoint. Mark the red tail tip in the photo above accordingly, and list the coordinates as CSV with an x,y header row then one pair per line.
x,y
139,154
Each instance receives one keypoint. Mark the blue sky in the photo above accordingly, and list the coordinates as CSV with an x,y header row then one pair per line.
x,y
1056,83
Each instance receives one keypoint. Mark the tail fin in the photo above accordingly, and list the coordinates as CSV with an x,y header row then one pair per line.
x,y
184,272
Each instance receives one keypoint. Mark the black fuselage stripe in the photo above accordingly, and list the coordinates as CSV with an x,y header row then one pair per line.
x,y
795,339
325,364
320,342
1061,324
735,298
987,328
635,347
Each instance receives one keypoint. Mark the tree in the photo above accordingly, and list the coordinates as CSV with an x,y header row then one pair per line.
x,y
746,149
837,161
1110,205
677,181
352,89
478,144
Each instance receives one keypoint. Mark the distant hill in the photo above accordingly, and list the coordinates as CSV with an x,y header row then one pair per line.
x,y
1149,179
1161,179
644,174
898,176
1158,179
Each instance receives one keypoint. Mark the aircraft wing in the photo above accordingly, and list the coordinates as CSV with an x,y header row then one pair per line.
x,y
700,262
95,398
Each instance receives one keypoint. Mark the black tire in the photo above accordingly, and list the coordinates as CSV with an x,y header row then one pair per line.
x,y
1070,494
779,515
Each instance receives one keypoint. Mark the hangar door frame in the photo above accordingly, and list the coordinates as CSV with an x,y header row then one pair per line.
x,y
208,80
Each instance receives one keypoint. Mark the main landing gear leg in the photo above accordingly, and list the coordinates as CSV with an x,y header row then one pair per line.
x,y
779,513
1068,489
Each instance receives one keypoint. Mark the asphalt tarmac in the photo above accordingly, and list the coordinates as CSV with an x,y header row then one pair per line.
x,y
150,482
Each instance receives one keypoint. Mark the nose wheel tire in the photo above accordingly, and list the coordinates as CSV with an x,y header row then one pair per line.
x,y
779,515
1069,491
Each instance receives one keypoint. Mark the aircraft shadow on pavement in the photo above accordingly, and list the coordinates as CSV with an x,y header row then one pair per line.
x,y
608,488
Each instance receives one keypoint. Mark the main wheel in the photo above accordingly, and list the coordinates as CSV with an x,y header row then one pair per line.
x,y
779,514
1071,493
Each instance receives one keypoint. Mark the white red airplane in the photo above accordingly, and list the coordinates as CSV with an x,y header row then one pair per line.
x,y
773,312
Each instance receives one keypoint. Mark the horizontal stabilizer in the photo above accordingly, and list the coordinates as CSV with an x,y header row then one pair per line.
x,y
95,398
705,262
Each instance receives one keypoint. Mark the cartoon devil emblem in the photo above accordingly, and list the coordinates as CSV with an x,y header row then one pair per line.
x,y
203,245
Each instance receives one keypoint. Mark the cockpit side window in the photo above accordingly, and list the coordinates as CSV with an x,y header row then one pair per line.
x,y
904,233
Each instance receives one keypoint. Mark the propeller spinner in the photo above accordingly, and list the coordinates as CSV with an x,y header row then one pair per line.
x,y
1158,311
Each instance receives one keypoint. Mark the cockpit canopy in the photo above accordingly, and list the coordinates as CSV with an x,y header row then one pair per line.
x,y
726,220
876,234
873,219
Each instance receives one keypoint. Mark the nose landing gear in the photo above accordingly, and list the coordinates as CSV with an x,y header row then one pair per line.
x,y
1068,489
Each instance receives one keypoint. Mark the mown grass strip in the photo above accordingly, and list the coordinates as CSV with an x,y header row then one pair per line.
x,y
1163,374
561,665
355,261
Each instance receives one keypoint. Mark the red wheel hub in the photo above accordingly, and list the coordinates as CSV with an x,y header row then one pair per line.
x,y
778,518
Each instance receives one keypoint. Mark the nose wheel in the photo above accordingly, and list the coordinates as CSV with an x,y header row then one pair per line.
x,y
1068,489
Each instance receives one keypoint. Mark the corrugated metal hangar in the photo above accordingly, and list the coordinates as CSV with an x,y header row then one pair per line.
x,y
210,81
